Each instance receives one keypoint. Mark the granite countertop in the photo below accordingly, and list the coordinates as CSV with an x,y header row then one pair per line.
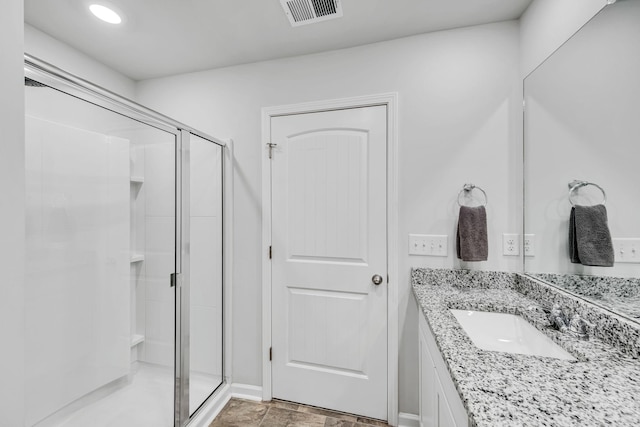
x,y
600,388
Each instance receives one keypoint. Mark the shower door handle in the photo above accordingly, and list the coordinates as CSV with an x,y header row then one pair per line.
x,y
175,280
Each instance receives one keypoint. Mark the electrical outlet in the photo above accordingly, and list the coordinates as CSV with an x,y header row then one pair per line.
x,y
529,245
511,244
627,250
428,245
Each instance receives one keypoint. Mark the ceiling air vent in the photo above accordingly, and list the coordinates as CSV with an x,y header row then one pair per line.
x,y
302,12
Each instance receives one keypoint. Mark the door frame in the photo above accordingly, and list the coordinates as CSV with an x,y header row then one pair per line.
x,y
390,100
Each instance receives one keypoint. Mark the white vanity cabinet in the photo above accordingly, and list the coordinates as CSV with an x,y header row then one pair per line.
x,y
440,404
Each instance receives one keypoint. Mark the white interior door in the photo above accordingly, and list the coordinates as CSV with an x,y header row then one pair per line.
x,y
329,225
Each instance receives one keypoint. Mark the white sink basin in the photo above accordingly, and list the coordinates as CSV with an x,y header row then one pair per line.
x,y
507,333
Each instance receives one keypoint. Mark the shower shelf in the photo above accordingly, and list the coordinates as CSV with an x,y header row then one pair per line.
x,y
136,339
137,179
137,258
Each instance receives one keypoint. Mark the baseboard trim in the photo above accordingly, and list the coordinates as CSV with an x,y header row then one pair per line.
x,y
247,392
210,411
408,420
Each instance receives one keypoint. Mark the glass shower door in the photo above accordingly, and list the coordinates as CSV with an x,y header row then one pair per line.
x,y
205,302
124,283
200,354
101,244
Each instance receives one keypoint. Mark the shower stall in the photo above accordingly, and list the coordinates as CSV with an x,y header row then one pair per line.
x,y
124,248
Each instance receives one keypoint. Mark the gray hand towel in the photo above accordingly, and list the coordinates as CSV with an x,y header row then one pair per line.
x,y
589,237
471,237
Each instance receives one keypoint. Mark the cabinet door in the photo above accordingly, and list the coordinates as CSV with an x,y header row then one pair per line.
x,y
444,414
440,403
427,386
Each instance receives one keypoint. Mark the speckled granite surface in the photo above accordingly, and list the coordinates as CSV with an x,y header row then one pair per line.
x,y
617,293
610,328
601,388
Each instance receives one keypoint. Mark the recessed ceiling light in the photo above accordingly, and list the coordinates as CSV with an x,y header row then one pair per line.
x,y
106,14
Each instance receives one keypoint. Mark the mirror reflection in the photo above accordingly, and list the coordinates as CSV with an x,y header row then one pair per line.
x,y
582,124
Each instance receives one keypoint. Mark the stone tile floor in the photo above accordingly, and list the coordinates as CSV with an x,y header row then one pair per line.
x,y
278,413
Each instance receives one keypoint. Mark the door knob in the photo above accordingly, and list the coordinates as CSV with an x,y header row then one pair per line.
x,y
376,279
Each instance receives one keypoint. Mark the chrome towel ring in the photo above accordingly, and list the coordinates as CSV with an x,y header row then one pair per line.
x,y
468,188
575,185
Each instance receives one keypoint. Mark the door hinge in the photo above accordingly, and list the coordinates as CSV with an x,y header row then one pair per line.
x,y
271,147
270,354
270,252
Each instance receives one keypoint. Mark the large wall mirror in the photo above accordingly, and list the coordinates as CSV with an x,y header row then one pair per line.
x,y
582,122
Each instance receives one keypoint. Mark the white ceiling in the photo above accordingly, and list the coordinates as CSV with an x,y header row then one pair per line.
x,y
165,37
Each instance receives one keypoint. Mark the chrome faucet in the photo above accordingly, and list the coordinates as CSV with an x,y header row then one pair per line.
x,y
558,318
579,327
565,321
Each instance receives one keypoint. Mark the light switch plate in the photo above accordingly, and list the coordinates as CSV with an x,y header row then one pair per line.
x,y
627,250
428,244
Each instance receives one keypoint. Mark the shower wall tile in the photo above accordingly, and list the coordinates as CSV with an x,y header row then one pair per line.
x,y
77,290
159,341
159,166
159,257
158,290
159,263
137,155
158,353
206,184
138,197
159,248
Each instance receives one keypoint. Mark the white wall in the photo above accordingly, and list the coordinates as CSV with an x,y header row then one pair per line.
x,y
547,24
48,49
460,121
11,214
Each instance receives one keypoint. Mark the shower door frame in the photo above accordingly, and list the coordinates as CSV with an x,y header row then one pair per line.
x,y
77,87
